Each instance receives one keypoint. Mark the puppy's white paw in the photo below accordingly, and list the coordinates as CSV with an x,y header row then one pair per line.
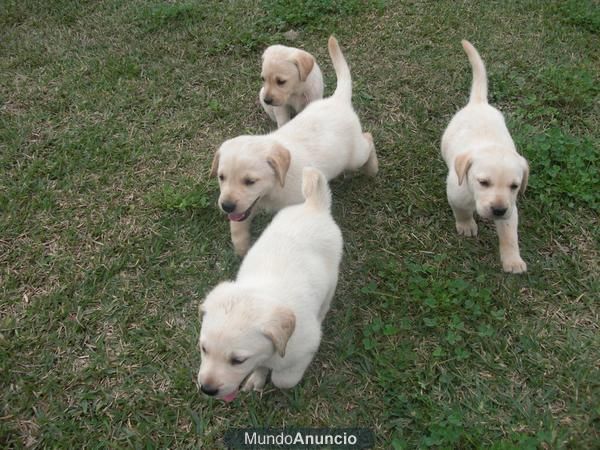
x,y
240,236
514,265
467,228
241,247
256,381
288,378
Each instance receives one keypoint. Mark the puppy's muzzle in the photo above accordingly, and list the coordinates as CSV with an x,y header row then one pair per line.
x,y
268,100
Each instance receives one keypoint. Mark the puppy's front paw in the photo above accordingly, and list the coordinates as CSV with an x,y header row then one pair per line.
x,y
240,236
241,245
241,249
467,228
256,381
514,265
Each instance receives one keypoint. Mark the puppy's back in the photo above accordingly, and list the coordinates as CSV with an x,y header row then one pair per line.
x,y
301,241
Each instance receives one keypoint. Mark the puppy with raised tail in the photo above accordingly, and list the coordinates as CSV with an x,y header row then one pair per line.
x,y
485,172
269,318
291,80
265,172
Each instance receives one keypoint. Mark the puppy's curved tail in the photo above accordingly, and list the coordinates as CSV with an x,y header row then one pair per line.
x,y
342,71
479,88
315,189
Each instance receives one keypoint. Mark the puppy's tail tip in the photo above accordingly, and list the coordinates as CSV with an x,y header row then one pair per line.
x,y
479,88
315,189
342,71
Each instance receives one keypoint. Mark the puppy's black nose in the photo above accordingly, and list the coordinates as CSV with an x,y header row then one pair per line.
x,y
498,212
228,207
268,100
209,390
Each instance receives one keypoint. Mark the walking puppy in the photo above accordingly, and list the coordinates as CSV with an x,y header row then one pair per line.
x,y
485,172
270,317
291,80
265,172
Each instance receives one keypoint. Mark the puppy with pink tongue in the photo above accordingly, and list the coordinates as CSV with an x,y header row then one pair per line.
x,y
269,318
264,172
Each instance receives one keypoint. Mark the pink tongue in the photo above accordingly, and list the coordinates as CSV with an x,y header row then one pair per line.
x,y
236,217
229,397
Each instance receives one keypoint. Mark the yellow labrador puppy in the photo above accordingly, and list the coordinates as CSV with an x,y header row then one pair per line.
x,y
269,318
485,172
291,80
265,172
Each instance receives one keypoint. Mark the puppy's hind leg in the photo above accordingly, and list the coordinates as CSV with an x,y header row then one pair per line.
x,y
291,376
326,304
371,167
256,381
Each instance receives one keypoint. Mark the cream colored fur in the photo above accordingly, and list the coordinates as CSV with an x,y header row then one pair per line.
x,y
265,171
291,80
485,172
269,318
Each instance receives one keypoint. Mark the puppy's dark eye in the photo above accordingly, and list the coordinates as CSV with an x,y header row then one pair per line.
x,y
203,348
249,181
514,186
235,361
484,183
280,82
222,177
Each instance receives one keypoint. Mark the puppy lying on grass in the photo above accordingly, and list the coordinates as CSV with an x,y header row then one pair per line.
x,y
485,172
265,172
270,317
291,80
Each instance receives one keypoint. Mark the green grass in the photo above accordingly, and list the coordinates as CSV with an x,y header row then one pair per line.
x,y
110,114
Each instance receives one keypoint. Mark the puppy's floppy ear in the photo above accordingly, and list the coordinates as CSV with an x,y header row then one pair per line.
x,y
279,328
525,176
304,61
215,165
279,160
462,164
